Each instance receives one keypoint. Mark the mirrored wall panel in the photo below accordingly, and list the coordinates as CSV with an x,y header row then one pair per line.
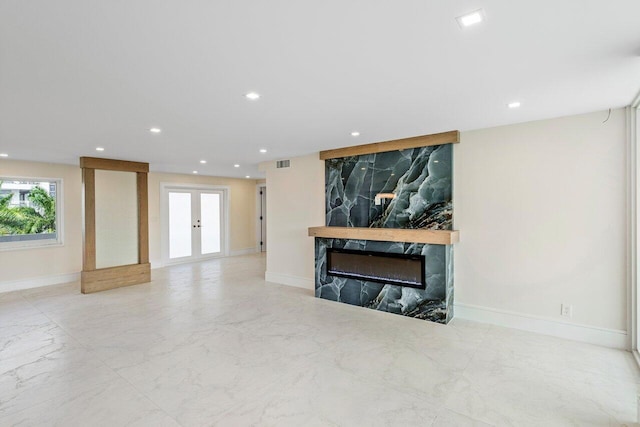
x,y
116,210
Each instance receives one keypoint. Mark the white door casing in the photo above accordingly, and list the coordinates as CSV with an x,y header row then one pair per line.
x,y
202,197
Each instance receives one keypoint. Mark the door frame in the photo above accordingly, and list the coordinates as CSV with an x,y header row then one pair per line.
x,y
165,187
259,187
633,226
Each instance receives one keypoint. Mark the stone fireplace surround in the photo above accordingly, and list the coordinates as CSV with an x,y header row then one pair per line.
x,y
395,199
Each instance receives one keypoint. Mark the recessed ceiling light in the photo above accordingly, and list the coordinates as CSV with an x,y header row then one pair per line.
x,y
355,133
247,176
472,18
195,171
252,96
4,155
236,165
263,150
513,104
99,149
204,162
155,130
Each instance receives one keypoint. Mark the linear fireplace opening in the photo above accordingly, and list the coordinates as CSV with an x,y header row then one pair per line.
x,y
395,269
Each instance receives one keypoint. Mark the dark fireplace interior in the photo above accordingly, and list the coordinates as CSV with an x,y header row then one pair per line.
x,y
395,269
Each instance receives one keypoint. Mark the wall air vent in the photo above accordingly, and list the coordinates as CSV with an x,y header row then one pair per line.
x,y
283,164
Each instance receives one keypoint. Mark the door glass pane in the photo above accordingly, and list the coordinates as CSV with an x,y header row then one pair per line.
x,y
210,217
179,225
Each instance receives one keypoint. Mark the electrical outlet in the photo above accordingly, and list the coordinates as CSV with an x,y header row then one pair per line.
x,y
566,310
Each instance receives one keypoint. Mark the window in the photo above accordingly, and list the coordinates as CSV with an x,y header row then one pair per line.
x,y
30,212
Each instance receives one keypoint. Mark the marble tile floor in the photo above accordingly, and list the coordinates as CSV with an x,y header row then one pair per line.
x,y
211,343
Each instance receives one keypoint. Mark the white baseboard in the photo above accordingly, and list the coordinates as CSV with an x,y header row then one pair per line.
x,y
245,251
636,356
601,336
286,279
36,282
160,264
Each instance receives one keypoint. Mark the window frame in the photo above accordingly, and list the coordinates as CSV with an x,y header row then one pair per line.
x,y
40,243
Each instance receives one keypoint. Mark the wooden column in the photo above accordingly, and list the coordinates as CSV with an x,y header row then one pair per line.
x,y
143,218
89,220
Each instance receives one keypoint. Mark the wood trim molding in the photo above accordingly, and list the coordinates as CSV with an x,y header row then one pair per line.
x,y
434,237
89,219
113,165
95,280
452,137
114,277
143,218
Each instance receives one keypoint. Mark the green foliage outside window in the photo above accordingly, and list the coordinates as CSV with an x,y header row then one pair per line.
x,y
39,218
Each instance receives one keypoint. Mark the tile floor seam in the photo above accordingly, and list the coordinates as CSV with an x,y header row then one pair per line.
x,y
94,387
395,387
115,371
277,386
102,361
62,328
462,372
78,342
470,417
153,402
487,421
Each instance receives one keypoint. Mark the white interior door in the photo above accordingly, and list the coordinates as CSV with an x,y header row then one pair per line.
x,y
263,219
195,224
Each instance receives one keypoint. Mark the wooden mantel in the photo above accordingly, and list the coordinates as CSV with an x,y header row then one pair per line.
x,y
452,137
435,237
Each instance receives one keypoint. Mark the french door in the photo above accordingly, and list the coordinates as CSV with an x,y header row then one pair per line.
x,y
194,222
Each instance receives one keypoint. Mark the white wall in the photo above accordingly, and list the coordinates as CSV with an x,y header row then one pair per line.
x,y
55,264
295,202
541,211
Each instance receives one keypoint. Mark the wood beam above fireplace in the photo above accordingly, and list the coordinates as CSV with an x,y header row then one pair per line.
x,y
452,137
434,237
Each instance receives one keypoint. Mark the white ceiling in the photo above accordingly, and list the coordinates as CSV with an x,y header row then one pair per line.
x,y
77,74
